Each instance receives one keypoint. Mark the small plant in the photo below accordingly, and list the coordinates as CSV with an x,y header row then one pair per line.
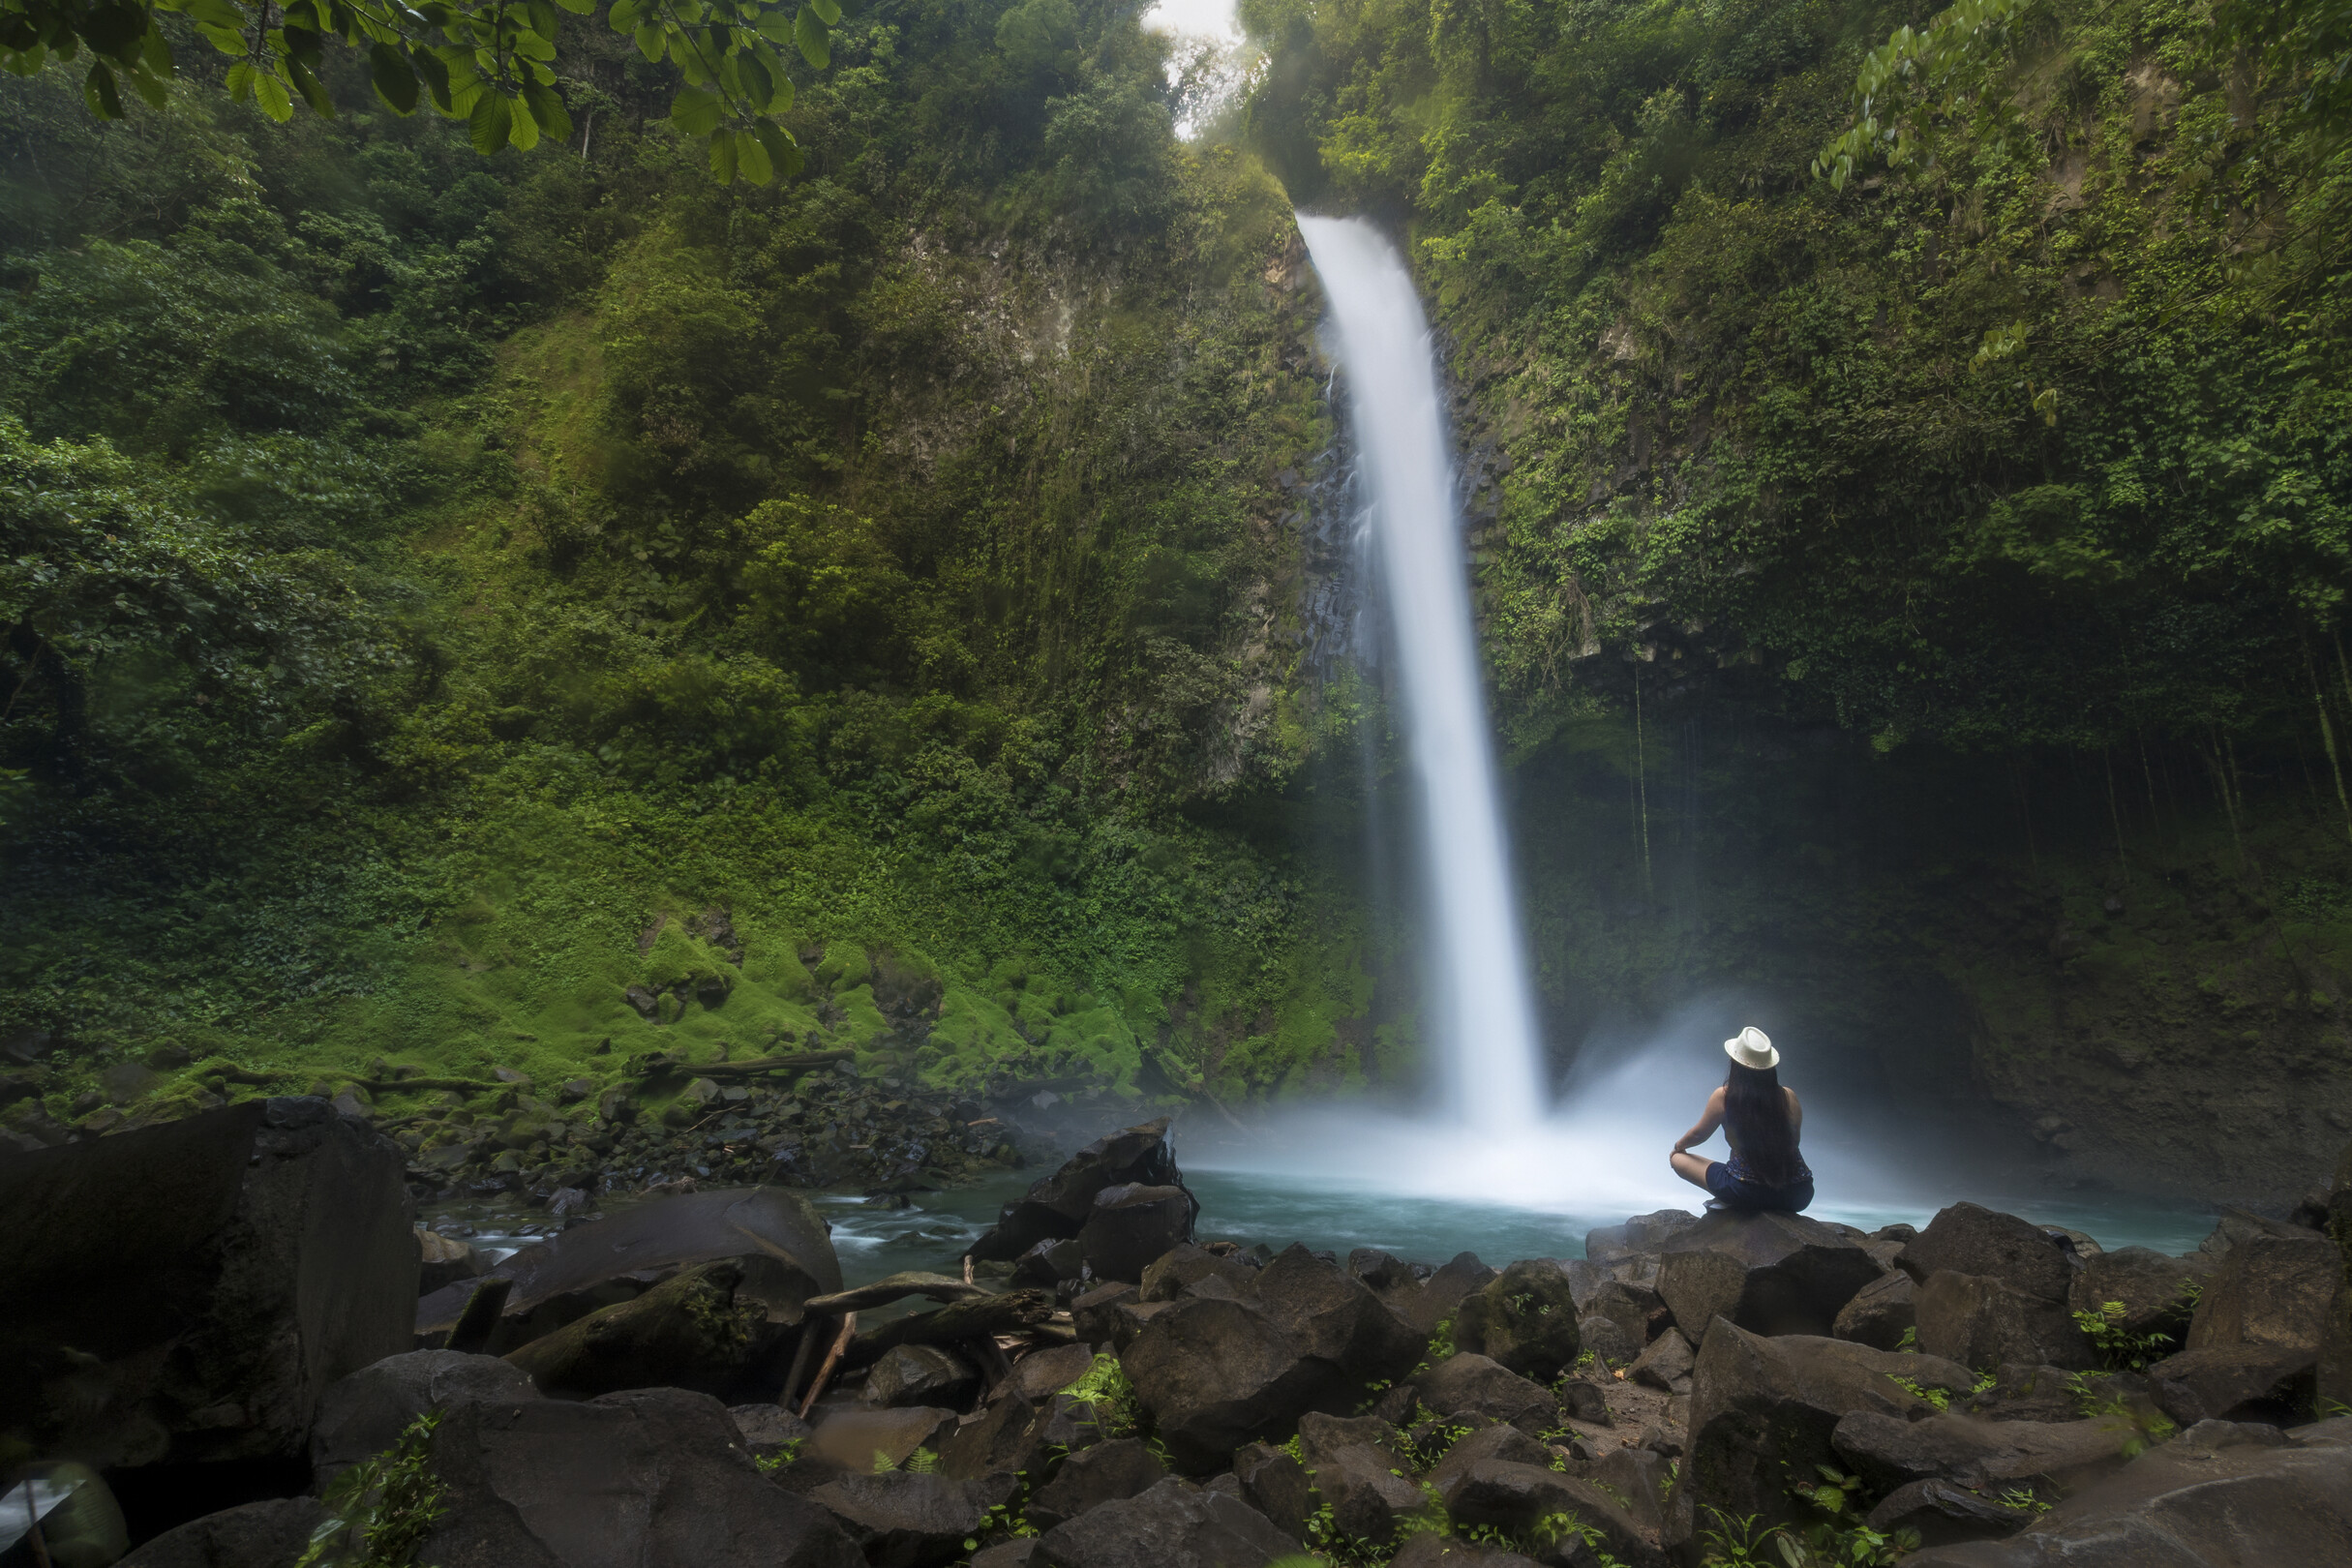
x,y
2025,1499
1002,1522
2122,1349
784,1454
1908,1343
1843,1539
1104,1386
1939,1397
379,1510
1738,1543
1441,1343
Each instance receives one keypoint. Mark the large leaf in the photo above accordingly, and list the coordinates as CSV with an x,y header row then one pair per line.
x,y
521,127
98,91
783,152
751,160
271,94
491,123
809,34
695,112
548,110
395,79
722,156
827,12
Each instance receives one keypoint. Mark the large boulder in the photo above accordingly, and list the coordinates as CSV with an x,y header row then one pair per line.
x,y
1941,1513
1441,1294
365,1413
657,1478
1094,1476
906,1518
2269,1290
2046,1458
1638,1310
1525,1318
1360,1474
1057,1208
1335,1317
273,1533
1882,1314
1642,1233
2189,1504
922,1374
1474,1385
189,1292
2152,1289
1215,1374
866,1441
1769,1273
1274,1482
1130,1224
1763,1411
1979,1320
1666,1366
691,1330
2236,1382
1968,1238
1180,1268
1519,1499
620,1257
1175,1524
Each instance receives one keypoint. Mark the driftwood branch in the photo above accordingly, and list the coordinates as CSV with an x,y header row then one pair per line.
x,y
832,1359
897,1287
1017,1311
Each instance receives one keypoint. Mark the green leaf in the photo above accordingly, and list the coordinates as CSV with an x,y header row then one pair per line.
x,y
578,7
827,12
434,74
270,93
155,53
542,14
521,127
695,112
548,110
623,15
313,94
651,41
491,123
809,34
722,156
240,81
395,79
98,91
783,153
149,89
751,160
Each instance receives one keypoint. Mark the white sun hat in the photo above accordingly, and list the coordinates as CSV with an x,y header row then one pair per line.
x,y
1752,1047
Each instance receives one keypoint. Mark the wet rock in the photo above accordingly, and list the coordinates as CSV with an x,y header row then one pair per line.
x,y
1131,1224
1366,1495
1503,1443
1764,1409
1043,1373
2269,1290
862,1440
1666,1366
363,1414
1173,1525
1768,1273
445,1260
1889,1450
1181,1267
1057,1207
1637,1480
1473,1385
1441,1294
2239,1382
997,1439
213,1277
904,1518
1638,1310
1642,1233
1018,1552
1216,1375
1944,1513
270,1534
1334,1317
1094,1476
2151,1286
1519,1497
688,1332
1980,1321
769,1429
1607,1342
654,1478
1970,1238
920,1374
1525,1319
1586,1400
2023,1392
1277,1486
1051,1263
1880,1314
2178,1506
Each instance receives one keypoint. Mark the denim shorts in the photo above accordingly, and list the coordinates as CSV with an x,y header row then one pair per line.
x,y
1734,1193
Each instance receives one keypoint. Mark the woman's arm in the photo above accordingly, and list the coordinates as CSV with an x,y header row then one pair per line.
x,y
1705,1128
1796,1115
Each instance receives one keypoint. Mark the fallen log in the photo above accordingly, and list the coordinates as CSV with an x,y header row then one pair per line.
x,y
1017,1311
897,1287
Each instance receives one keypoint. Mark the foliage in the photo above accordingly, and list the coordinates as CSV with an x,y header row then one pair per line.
x,y
1118,1413
786,1454
1843,1537
2122,1349
379,1510
491,63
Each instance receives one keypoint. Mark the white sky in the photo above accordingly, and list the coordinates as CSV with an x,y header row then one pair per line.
x,y
1211,18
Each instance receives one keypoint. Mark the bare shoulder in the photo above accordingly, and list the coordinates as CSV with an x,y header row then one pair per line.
x,y
1714,1101
1796,1106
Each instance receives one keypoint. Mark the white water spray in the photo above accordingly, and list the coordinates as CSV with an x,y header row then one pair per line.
x,y
1485,1023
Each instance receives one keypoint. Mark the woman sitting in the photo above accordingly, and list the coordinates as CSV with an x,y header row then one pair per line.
x,y
1761,1121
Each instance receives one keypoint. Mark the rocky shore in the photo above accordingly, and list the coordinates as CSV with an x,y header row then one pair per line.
x,y
226,1338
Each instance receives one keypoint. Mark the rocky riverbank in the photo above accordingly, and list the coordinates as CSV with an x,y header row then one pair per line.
x,y
688,1382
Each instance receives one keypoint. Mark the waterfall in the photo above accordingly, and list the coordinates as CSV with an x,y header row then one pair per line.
x,y
1484,1021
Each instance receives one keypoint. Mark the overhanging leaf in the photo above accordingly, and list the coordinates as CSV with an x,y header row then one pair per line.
x,y
695,112
809,34
491,123
394,78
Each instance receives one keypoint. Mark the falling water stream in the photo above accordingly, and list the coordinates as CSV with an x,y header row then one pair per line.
x,y
1484,1026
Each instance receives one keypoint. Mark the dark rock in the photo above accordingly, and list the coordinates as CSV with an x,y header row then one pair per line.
x,y
1173,1525
1607,1342
2024,1392
1637,1480
1642,1233
1094,1314
688,1332
2240,1382
1051,1263
1637,1310
1889,1450
363,1414
1018,1552
1979,1320
1065,1423
1000,1439
1433,1551
1525,1319
1589,1402
1131,1224
1094,1476
1944,1513
1473,1385
904,1518
1216,1375
2181,1507
1769,1273
1660,1441
1043,1373
268,1534
446,1261
1968,1239
1057,1207
1880,1314
1519,1497
1666,1366
920,1374
1169,1276
654,1478
1442,1292
1381,1271
1367,1490
1276,1484
2269,1290
769,1429
1763,1410
860,1441
2151,1286
188,1291
1505,1443
1335,1319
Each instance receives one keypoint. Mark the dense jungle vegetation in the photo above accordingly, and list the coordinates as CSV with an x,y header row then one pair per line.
x,y
444,591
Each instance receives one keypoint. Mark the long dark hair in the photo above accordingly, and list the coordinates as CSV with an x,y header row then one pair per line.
x,y
1756,1122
